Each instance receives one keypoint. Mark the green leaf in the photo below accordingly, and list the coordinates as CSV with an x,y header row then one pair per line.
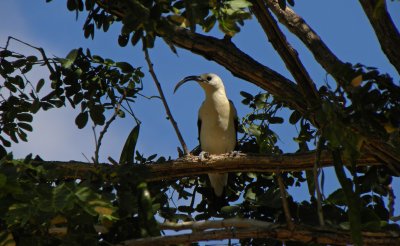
x,y
230,209
35,106
3,152
125,67
310,182
82,119
209,23
25,117
186,209
25,126
96,114
73,54
136,37
239,4
123,40
71,5
337,198
5,53
246,95
62,198
32,59
70,59
39,85
294,117
275,120
5,142
128,152
3,180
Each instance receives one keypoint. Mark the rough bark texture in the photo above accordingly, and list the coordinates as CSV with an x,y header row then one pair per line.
x,y
243,229
225,53
191,165
385,30
288,54
299,27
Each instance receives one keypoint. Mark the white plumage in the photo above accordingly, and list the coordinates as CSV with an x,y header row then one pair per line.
x,y
217,123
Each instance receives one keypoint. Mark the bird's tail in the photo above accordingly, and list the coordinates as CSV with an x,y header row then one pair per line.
x,y
218,182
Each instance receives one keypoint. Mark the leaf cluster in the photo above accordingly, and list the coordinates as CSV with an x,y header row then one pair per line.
x,y
81,79
141,20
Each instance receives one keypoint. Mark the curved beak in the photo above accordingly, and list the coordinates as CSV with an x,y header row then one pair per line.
x,y
186,79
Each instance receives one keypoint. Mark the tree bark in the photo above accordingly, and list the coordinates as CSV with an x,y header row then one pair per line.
x,y
192,165
321,52
385,30
243,228
288,54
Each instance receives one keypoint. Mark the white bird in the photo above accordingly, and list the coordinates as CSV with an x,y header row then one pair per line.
x,y
217,123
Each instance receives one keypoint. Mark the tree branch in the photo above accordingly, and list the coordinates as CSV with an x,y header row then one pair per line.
x,y
285,204
288,54
164,100
337,69
225,53
322,54
243,66
216,224
385,29
192,165
247,228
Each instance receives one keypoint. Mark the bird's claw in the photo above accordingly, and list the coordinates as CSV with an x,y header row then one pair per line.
x,y
234,153
204,155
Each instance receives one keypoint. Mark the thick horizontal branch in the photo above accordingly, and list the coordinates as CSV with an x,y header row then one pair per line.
x,y
191,165
216,224
385,29
245,228
225,53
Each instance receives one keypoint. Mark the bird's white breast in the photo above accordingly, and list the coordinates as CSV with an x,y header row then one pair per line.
x,y
217,133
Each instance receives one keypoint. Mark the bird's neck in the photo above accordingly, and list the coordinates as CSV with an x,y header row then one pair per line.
x,y
216,97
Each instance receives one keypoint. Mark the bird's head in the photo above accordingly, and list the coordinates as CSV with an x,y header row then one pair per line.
x,y
208,81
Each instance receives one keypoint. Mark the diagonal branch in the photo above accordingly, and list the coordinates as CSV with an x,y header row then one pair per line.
x,y
385,29
288,54
164,100
225,53
322,54
243,66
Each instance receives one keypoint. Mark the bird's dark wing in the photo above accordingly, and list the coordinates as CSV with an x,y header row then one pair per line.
x,y
198,130
235,122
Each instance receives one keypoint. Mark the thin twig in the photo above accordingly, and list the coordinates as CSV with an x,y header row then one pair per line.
x,y
41,50
285,203
168,111
103,132
316,182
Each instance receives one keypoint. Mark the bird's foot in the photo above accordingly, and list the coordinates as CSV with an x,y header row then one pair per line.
x,y
204,156
234,153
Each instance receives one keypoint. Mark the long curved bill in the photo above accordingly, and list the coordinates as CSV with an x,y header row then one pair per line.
x,y
188,78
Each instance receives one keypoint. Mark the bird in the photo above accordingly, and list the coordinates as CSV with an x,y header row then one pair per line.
x,y
217,123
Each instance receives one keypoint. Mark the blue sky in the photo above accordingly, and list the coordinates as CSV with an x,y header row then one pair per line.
x,y
341,24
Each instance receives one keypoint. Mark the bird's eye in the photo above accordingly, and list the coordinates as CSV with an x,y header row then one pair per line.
x,y
209,78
